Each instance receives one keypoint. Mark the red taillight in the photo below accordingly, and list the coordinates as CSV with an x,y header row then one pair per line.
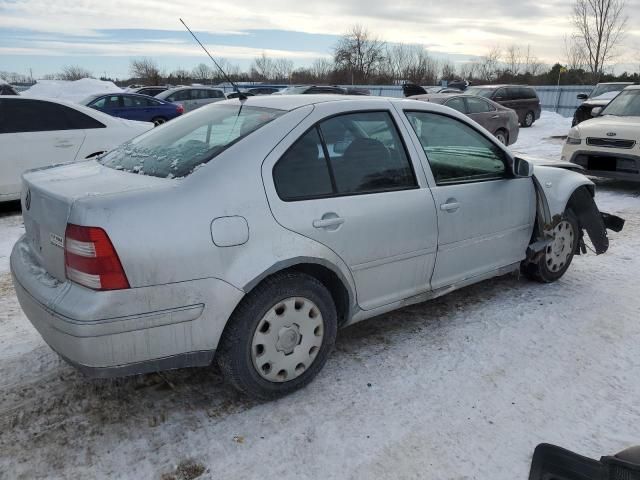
x,y
180,109
91,260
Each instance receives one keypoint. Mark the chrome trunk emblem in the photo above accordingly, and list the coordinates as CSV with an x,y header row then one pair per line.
x,y
611,134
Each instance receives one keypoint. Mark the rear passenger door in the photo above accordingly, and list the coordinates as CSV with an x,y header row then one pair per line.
x,y
347,181
485,216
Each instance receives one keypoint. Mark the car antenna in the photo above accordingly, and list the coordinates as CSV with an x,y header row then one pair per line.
x,y
241,95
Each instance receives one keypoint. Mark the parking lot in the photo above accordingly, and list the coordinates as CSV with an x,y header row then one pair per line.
x,y
463,387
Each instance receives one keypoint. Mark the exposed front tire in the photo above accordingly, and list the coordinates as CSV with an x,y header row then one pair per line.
x,y
559,254
159,121
529,118
279,337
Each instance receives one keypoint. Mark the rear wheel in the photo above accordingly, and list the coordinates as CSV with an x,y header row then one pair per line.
x,y
559,254
529,118
279,337
159,121
502,136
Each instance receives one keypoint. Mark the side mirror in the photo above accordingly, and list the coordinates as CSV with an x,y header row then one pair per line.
x,y
522,168
596,111
582,96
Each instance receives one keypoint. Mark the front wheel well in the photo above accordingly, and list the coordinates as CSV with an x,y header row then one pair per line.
x,y
94,154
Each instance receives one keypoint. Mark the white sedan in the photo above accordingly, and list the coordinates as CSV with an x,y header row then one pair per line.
x,y
38,133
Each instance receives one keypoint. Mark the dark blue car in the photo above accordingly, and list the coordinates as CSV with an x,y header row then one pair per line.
x,y
135,107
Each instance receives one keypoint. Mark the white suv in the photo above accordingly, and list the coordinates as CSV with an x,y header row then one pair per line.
x,y
609,145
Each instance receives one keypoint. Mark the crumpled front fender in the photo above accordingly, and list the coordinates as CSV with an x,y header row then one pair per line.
x,y
557,190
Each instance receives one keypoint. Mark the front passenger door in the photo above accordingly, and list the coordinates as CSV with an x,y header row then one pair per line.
x,y
485,217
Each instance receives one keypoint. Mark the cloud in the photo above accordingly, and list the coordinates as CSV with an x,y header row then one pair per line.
x,y
299,30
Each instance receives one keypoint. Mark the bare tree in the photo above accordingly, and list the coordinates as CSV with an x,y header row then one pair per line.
x,y
180,76
574,53
282,69
513,59
448,71
203,72
487,65
321,69
532,64
262,67
145,70
73,72
600,26
359,53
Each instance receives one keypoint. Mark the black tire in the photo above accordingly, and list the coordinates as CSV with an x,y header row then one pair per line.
x,y
234,353
158,121
540,271
504,134
529,119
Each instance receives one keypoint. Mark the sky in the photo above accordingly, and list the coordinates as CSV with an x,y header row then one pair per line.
x,y
102,36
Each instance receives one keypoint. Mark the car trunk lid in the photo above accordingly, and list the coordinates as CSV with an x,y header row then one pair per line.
x,y
49,195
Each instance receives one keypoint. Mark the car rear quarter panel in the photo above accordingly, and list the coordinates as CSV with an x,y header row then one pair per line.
x,y
163,234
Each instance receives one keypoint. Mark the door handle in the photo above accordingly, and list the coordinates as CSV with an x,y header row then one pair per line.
x,y
450,206
328,223
63,144
495,116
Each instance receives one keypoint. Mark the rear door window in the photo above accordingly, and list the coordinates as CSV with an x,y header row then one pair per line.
x,y
42,116
457,103
356,153
478,105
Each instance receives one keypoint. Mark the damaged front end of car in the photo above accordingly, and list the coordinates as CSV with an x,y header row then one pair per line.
x,y
590,219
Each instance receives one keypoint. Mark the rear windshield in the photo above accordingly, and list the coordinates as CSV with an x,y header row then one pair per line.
x,y
181,146
483,92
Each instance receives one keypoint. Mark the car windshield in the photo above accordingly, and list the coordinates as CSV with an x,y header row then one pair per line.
x,y
602,89
183,145
627,104
483,92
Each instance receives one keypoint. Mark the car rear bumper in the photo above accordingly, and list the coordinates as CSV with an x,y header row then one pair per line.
x,y
608,164
124,332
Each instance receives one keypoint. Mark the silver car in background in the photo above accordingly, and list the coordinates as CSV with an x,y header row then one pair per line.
x,y
192,98
249,231
501,121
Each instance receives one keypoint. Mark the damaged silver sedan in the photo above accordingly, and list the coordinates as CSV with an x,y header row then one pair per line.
x,y
249,231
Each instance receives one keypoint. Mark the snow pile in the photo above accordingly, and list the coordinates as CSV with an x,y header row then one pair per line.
x,y
73,91
11,228
3,81
545,138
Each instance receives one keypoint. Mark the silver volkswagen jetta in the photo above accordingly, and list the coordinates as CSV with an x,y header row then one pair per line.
x,y
253,229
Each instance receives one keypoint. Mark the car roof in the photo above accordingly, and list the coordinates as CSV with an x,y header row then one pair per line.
x,y
633,87
615,83
291,102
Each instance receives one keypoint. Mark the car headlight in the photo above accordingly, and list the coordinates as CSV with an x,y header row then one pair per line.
x,y
574,137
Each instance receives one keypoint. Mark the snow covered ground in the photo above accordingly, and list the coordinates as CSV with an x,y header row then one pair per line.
x,y
463,387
